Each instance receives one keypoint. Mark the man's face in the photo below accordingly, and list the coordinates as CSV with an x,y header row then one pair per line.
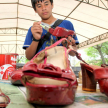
x,y
44,9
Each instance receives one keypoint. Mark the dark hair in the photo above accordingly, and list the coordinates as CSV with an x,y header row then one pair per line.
x,y
35,1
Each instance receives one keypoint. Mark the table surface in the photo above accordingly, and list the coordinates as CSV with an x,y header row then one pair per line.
x,y
83,99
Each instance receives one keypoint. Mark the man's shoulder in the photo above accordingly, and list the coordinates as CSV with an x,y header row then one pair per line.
x,y
66,21
66,24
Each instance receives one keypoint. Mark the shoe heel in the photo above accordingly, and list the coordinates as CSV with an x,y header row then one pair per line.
x,y
88,80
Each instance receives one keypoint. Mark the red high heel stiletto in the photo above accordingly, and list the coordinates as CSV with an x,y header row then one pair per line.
x,y
48,78
88,80
91,74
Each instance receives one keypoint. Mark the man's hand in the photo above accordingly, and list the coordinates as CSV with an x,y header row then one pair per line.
x,y
70,41
36,30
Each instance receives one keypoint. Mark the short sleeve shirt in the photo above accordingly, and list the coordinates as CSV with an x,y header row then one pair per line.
x,y
52,39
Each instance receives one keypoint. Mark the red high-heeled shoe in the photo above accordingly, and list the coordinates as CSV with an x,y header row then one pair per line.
x,y
4,100
91,74
48,78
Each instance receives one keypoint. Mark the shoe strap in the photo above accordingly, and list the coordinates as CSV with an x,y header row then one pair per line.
x,y
76,53
56,43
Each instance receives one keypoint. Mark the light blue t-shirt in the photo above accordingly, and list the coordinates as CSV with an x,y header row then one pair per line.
x,y
52,39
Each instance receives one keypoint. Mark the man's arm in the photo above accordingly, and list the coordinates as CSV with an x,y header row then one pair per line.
x,y
36,30
31,50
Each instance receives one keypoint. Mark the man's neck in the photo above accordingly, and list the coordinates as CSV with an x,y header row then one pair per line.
x,y
50,20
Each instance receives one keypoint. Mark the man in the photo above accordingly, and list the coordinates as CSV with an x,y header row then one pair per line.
x,y
44,9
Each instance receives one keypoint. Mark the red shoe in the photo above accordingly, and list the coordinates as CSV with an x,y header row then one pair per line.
x,y
16,76
4,100
91,74
48,78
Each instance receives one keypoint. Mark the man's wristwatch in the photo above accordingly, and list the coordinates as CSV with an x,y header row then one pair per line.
x,y
36,39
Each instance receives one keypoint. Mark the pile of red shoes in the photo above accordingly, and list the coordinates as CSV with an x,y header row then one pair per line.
x,y
49,80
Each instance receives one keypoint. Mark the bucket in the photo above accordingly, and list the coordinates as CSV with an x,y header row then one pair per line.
x,y
2,59
9,58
